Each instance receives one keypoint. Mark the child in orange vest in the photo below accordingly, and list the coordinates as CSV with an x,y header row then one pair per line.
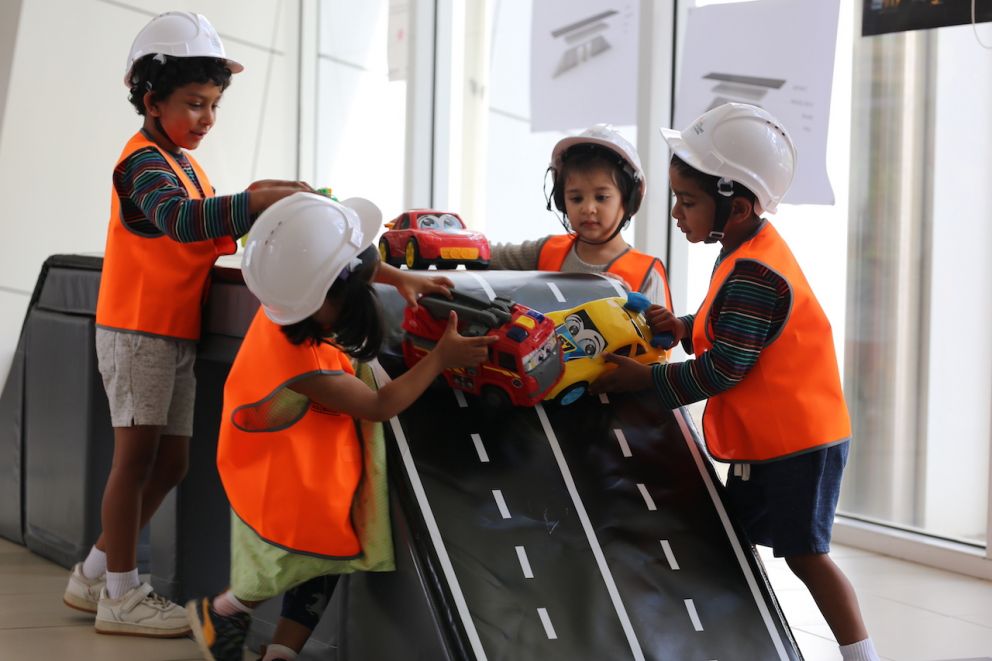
x,y
764,356
166,230
290,455
597,185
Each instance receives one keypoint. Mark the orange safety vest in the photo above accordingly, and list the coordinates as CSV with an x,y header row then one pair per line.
x,y
791,401
633,266
154,284
289,466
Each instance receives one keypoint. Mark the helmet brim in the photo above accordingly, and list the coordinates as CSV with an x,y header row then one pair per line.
x,y
679,148
369,216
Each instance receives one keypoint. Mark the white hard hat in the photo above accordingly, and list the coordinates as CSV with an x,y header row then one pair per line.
x,y
179,34
742,143
299,246
604,136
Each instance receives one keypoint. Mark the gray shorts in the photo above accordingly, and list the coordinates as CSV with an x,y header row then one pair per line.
x,y
149,380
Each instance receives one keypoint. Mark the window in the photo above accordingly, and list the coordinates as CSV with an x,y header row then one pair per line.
x,y
918,356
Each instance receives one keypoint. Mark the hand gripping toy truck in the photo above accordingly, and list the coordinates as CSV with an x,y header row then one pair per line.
x,y
523,365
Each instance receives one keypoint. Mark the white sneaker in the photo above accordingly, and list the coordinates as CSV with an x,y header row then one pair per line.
x,y
141,612
83,593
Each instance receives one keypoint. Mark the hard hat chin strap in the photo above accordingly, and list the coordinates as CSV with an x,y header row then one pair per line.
x,y
724,205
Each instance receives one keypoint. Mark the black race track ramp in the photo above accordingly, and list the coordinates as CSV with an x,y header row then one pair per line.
x,y
591,531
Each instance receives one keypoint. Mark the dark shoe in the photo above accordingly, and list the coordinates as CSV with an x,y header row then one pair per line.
x,y
220,638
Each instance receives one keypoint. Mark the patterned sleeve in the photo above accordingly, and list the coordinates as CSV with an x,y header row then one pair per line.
x,y
516,256
748,312
156,195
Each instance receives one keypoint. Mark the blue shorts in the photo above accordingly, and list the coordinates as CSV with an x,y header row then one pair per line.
x,y
789,504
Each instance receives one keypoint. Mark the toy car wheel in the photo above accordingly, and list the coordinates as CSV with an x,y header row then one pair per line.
x,y
572,393
494,397
384,253
413,260
477,266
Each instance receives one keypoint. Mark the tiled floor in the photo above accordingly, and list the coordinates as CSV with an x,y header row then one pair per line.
x,y
913,613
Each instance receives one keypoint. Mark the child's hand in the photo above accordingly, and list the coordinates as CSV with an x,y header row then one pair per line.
x,y
411,287
662,320
455,350
262,194
627,375
281,183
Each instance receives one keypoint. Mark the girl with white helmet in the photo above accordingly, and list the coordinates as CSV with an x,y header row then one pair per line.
x,y
290,454
166,229
764,356
597,186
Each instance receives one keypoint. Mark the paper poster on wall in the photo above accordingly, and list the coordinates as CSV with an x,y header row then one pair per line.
x,y
784,64
882,16
583,63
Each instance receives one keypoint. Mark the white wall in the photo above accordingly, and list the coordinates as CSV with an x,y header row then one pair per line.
x,y
67,117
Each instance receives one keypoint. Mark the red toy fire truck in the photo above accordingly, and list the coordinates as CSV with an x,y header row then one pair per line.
x,y
524,364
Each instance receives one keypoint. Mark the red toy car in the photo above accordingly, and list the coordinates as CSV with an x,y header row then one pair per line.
x,y
422,237
523,365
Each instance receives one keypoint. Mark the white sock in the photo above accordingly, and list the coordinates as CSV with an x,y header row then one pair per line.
x,y
227,604
119,583
95,564
860,651
275,652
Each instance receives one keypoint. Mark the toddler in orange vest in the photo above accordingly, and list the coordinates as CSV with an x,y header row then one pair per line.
x,y
290,450
597,185
764,356
166,230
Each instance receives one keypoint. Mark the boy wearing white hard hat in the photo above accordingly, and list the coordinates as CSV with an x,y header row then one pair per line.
x,y
166,230
764,356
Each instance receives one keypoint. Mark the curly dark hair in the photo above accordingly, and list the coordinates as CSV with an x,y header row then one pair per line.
x,y
358,330
163,78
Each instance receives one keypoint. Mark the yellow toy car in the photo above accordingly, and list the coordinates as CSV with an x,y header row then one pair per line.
x,y
606,325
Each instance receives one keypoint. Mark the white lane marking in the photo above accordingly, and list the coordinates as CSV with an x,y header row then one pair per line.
x,y
622,440
460,398
603,398
680,416
524,562
485,285
557,292
648,500
597,551
480,448
669,555
616,285
501,504
549,628
693,615
447,568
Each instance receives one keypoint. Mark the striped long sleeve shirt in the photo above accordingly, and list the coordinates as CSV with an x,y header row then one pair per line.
x,y
748,312
154,202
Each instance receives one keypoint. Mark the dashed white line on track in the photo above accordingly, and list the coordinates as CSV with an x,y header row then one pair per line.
x,y
501,504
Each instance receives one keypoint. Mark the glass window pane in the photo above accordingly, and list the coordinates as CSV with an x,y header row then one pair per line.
x,y
361,114
918,377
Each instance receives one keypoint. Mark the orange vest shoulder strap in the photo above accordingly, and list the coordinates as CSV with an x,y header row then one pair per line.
x,y
554,250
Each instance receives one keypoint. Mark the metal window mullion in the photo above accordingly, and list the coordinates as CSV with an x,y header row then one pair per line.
x,y
655,78
419,161
308,67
